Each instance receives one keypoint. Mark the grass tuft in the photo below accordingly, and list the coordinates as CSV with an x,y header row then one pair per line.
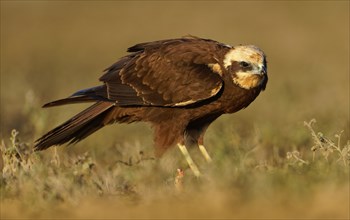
x,y
326,147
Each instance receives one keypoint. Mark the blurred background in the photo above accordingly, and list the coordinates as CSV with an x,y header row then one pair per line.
x,y
50,49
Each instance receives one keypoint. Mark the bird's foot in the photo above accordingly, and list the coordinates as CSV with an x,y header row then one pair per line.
x,y
189,160
179,179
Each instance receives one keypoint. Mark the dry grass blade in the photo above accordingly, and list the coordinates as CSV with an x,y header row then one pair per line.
x,y
327,146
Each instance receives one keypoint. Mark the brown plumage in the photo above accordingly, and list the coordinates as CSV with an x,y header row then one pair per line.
x,y
179,86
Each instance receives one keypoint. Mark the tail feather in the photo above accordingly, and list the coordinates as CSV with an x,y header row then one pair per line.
x,y
69,100
98,93
76,128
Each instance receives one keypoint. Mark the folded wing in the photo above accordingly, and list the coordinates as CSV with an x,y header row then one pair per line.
x,y
164,73
169,73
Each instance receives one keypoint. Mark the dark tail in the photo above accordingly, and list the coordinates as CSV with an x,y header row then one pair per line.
x,y
93,94
76,128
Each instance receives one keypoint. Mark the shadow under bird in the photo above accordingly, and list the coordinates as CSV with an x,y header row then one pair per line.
x,y
179,86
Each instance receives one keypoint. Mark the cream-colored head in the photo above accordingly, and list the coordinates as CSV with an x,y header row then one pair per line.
x,y
248,64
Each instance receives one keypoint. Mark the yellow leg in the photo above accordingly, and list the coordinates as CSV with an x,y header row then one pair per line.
x,y
189,160
205,153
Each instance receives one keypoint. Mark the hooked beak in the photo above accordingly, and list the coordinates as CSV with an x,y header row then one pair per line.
x,y
263,70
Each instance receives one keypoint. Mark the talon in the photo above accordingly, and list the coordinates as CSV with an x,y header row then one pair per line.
x,y
179,179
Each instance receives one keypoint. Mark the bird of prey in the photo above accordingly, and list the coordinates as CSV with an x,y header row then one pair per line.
x,y
179,86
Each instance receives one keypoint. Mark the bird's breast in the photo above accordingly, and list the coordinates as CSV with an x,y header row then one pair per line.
x,y
235,98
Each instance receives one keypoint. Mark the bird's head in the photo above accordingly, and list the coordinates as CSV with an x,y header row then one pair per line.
x,y
247,66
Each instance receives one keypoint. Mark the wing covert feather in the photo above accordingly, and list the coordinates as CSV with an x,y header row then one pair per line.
x,y
164,73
